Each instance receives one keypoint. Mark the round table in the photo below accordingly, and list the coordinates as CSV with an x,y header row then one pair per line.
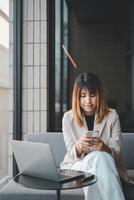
x,y
42,184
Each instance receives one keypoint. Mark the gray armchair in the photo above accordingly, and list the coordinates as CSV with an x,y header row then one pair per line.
x,y
14,191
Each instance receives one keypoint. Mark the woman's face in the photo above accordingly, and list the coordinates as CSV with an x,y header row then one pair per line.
x,y
88,102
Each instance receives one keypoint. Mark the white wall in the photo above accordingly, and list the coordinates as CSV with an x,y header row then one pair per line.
x,y
4,119
34,70
34,92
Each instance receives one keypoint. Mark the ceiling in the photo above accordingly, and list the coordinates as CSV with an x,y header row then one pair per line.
x,y
100,11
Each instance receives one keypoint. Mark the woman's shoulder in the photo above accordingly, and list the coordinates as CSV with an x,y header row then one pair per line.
x,y
68,115
112,114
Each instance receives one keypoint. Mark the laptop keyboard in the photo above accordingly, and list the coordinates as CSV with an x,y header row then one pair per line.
x,y
62,176
67,173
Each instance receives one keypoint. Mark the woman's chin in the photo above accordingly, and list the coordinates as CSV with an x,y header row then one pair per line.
x,y
89,112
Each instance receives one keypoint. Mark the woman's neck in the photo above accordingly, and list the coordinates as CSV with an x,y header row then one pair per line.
x,y
89,113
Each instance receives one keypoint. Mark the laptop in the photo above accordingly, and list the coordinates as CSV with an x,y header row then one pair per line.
x,y
37,160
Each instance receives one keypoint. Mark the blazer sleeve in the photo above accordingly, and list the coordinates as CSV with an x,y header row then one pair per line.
x,y
115,145
115,136
69,139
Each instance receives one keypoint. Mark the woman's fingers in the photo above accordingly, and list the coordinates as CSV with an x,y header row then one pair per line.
x,y
92,139
87,143
86,146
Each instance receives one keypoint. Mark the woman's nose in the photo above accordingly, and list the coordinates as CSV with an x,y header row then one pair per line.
x,y
88,99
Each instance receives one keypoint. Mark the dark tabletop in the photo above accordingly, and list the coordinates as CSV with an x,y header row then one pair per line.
x,y
42,184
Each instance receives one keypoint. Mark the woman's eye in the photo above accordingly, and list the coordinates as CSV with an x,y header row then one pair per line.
x,y
92,95
82,95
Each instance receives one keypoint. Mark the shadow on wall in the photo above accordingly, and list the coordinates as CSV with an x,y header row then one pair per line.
x,y
127,121
126,118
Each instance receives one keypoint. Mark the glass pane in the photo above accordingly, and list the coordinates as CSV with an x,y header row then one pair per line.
x,y
61,61
107,49
65,58
4,86
57,60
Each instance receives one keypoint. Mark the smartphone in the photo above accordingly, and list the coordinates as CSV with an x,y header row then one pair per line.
x,y
92,134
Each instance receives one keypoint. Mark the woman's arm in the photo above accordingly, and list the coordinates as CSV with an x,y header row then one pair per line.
x,y
69,138
76,148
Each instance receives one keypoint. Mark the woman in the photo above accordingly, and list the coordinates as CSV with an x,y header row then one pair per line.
x,y
97,155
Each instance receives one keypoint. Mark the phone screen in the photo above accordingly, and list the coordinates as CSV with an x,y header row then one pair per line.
x,y
92,134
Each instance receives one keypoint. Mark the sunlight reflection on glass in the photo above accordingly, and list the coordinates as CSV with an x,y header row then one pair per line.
x,y
4,86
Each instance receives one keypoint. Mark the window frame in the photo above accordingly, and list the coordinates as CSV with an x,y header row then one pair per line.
x,y
17,74
63,77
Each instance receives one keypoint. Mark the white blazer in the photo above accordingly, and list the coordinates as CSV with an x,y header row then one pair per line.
x,y
109,131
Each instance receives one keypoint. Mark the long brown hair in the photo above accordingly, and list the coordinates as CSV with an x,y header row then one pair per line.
x,y
93,84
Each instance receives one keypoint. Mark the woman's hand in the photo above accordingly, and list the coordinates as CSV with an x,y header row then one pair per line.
x,y
86,144
98,145
83,145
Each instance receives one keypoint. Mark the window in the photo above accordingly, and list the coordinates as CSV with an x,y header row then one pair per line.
x,y
58,62
104,47
4,87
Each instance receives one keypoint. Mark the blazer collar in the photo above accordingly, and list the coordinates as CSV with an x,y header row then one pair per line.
x,y
97,126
